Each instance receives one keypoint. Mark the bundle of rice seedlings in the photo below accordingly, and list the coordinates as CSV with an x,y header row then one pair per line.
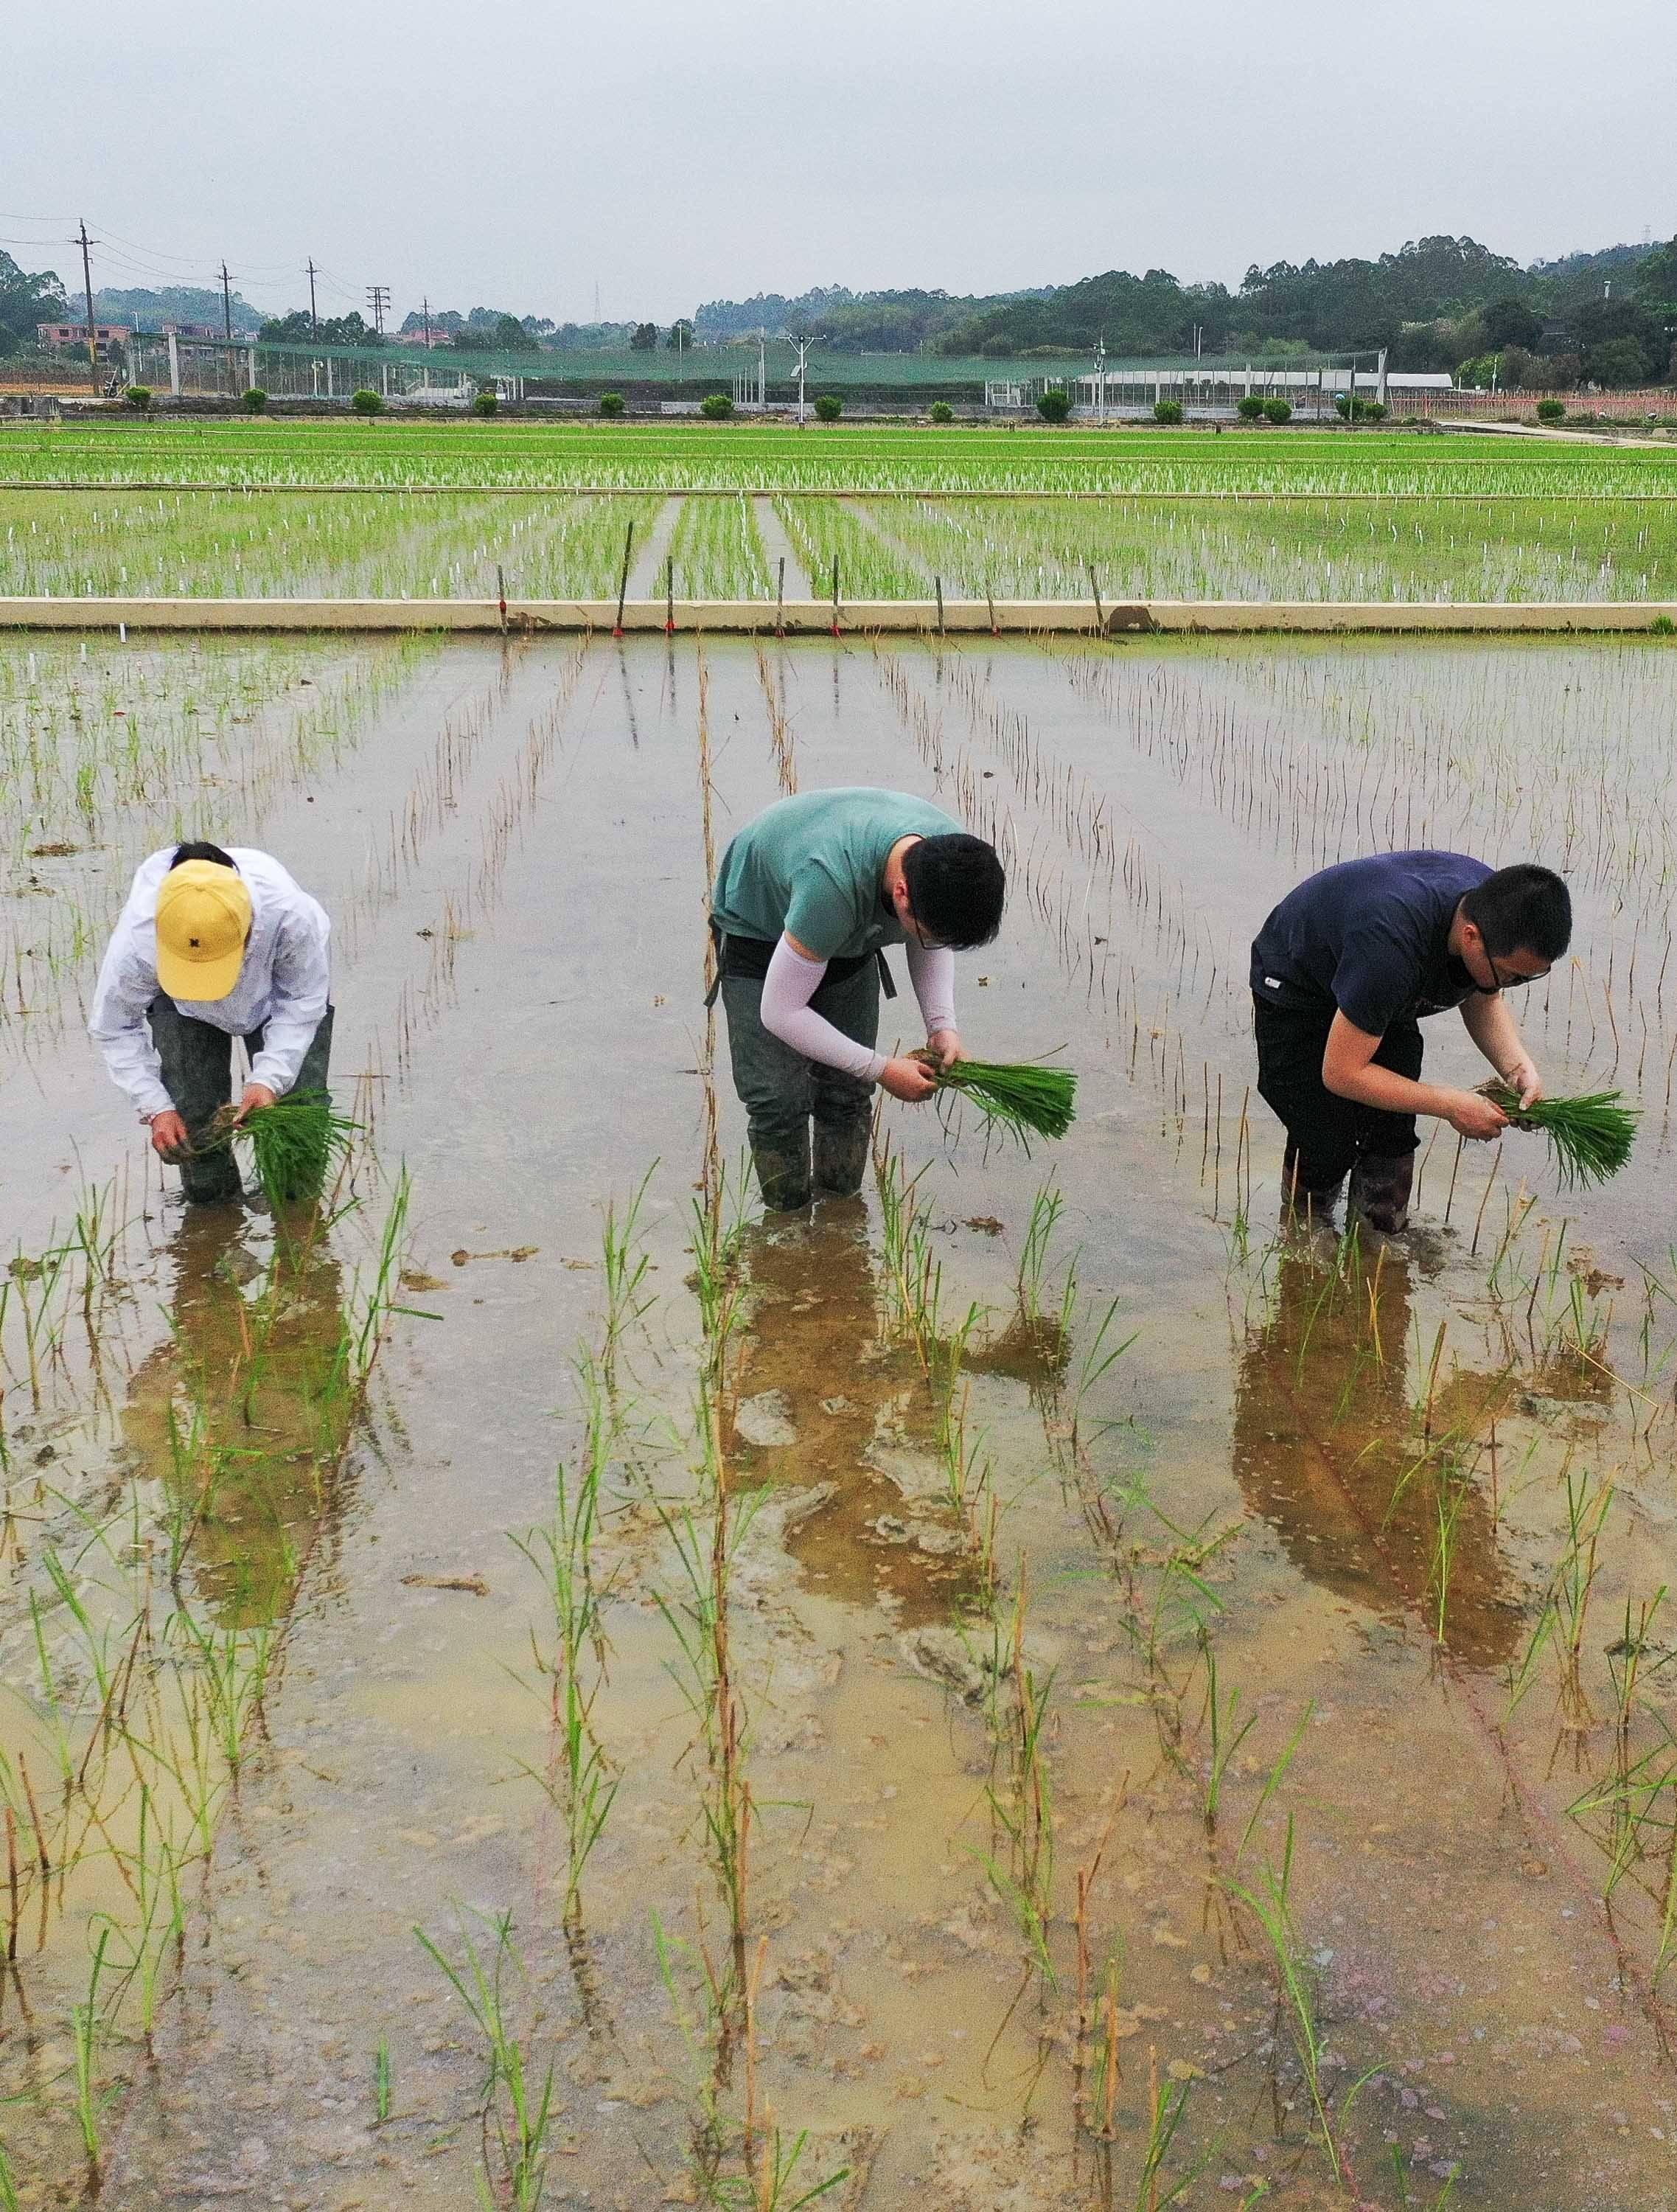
x,y
294,1142
1022,1099
1590,1138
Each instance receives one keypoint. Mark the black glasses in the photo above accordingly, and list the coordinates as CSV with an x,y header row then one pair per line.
x,y
1505,982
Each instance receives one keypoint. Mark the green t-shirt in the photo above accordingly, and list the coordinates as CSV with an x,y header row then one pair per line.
x,y
814,866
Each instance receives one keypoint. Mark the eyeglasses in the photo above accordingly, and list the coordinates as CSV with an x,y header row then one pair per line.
x,y
1505,982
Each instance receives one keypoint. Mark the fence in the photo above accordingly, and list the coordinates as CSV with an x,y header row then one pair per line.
x,y
1659,404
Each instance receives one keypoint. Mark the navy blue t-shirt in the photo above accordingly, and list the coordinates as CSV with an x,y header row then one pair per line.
x,y
1370,937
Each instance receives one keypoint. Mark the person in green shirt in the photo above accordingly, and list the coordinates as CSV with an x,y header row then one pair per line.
x,y
806,899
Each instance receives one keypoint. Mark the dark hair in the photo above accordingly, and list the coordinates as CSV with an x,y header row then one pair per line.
x,y
198,849
1524,909
955,886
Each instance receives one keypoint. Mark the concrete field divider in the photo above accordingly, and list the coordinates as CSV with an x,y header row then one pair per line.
x,y
809,617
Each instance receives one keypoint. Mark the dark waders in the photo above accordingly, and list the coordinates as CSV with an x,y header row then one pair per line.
x,y
197,1071
1329,1137
788,1098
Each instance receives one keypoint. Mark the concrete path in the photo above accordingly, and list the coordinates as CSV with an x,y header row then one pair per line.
x,y
645,577
1601,436
1255,618
777,547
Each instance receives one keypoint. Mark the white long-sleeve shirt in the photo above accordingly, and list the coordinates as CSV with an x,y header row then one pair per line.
x,y
282,988
792,981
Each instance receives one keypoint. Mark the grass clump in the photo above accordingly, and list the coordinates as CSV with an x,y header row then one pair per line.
x,y
1022,1099
294,1142
1590,1137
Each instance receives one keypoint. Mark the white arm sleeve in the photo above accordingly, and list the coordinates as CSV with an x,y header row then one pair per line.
x,y
302,983
125,988
932,972
791,983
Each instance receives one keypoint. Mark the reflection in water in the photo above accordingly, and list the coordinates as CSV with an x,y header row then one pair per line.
x,y
242,1414
823,1396
1369,1498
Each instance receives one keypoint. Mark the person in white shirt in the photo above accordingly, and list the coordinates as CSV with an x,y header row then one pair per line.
x,y
211,946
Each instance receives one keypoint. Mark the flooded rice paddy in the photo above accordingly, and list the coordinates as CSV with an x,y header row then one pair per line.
x,y
529,1684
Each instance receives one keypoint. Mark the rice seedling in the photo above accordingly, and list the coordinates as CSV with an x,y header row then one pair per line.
x,y
1225,1737
624,1269
381,2082
1294,1996
1047,1208
1402,2175
294,1143
1020,1099
1024,1809
518,2105
1167,2101
1590,1138
579,1777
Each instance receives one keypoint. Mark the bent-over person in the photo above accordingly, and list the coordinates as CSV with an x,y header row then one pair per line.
x,y
806,898
1344,972
211,946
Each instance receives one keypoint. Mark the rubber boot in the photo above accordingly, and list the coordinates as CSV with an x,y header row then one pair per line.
x,y
1380,1188
1305,1198
840,1156
783,1176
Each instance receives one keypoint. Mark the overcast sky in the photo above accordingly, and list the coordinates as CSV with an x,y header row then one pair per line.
x,y
517,155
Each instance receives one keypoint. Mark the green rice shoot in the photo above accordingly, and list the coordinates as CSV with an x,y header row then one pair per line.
x,y
1020,1098
1590,1138
294,1143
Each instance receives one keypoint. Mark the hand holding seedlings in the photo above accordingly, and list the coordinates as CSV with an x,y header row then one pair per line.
x,y
169,1135
908,1079
257,1095
946,1046
1471,1114
1522,1078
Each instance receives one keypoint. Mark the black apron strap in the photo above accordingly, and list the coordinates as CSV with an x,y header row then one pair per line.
x,y
844,967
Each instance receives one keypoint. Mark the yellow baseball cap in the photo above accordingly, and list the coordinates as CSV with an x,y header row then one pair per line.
x,y
203,918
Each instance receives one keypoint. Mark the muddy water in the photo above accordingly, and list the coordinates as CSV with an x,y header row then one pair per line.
x,y
1262,1477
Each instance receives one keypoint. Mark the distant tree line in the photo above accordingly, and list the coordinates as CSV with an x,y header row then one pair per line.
x,y
1438,303
1608,318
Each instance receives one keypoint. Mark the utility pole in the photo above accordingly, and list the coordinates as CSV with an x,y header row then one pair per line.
x,y
802,347
378,298
86,284
227,304
1100,381
425,310
763,372
313,318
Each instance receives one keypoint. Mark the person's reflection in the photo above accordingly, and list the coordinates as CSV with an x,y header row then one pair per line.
x,y
243,1411
823,1396
1330,1450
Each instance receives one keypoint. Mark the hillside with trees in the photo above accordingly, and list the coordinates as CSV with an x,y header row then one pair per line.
x,y
1437,303
1608,316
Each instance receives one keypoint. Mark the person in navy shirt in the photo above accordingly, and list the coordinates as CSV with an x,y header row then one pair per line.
x,y
1345,970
